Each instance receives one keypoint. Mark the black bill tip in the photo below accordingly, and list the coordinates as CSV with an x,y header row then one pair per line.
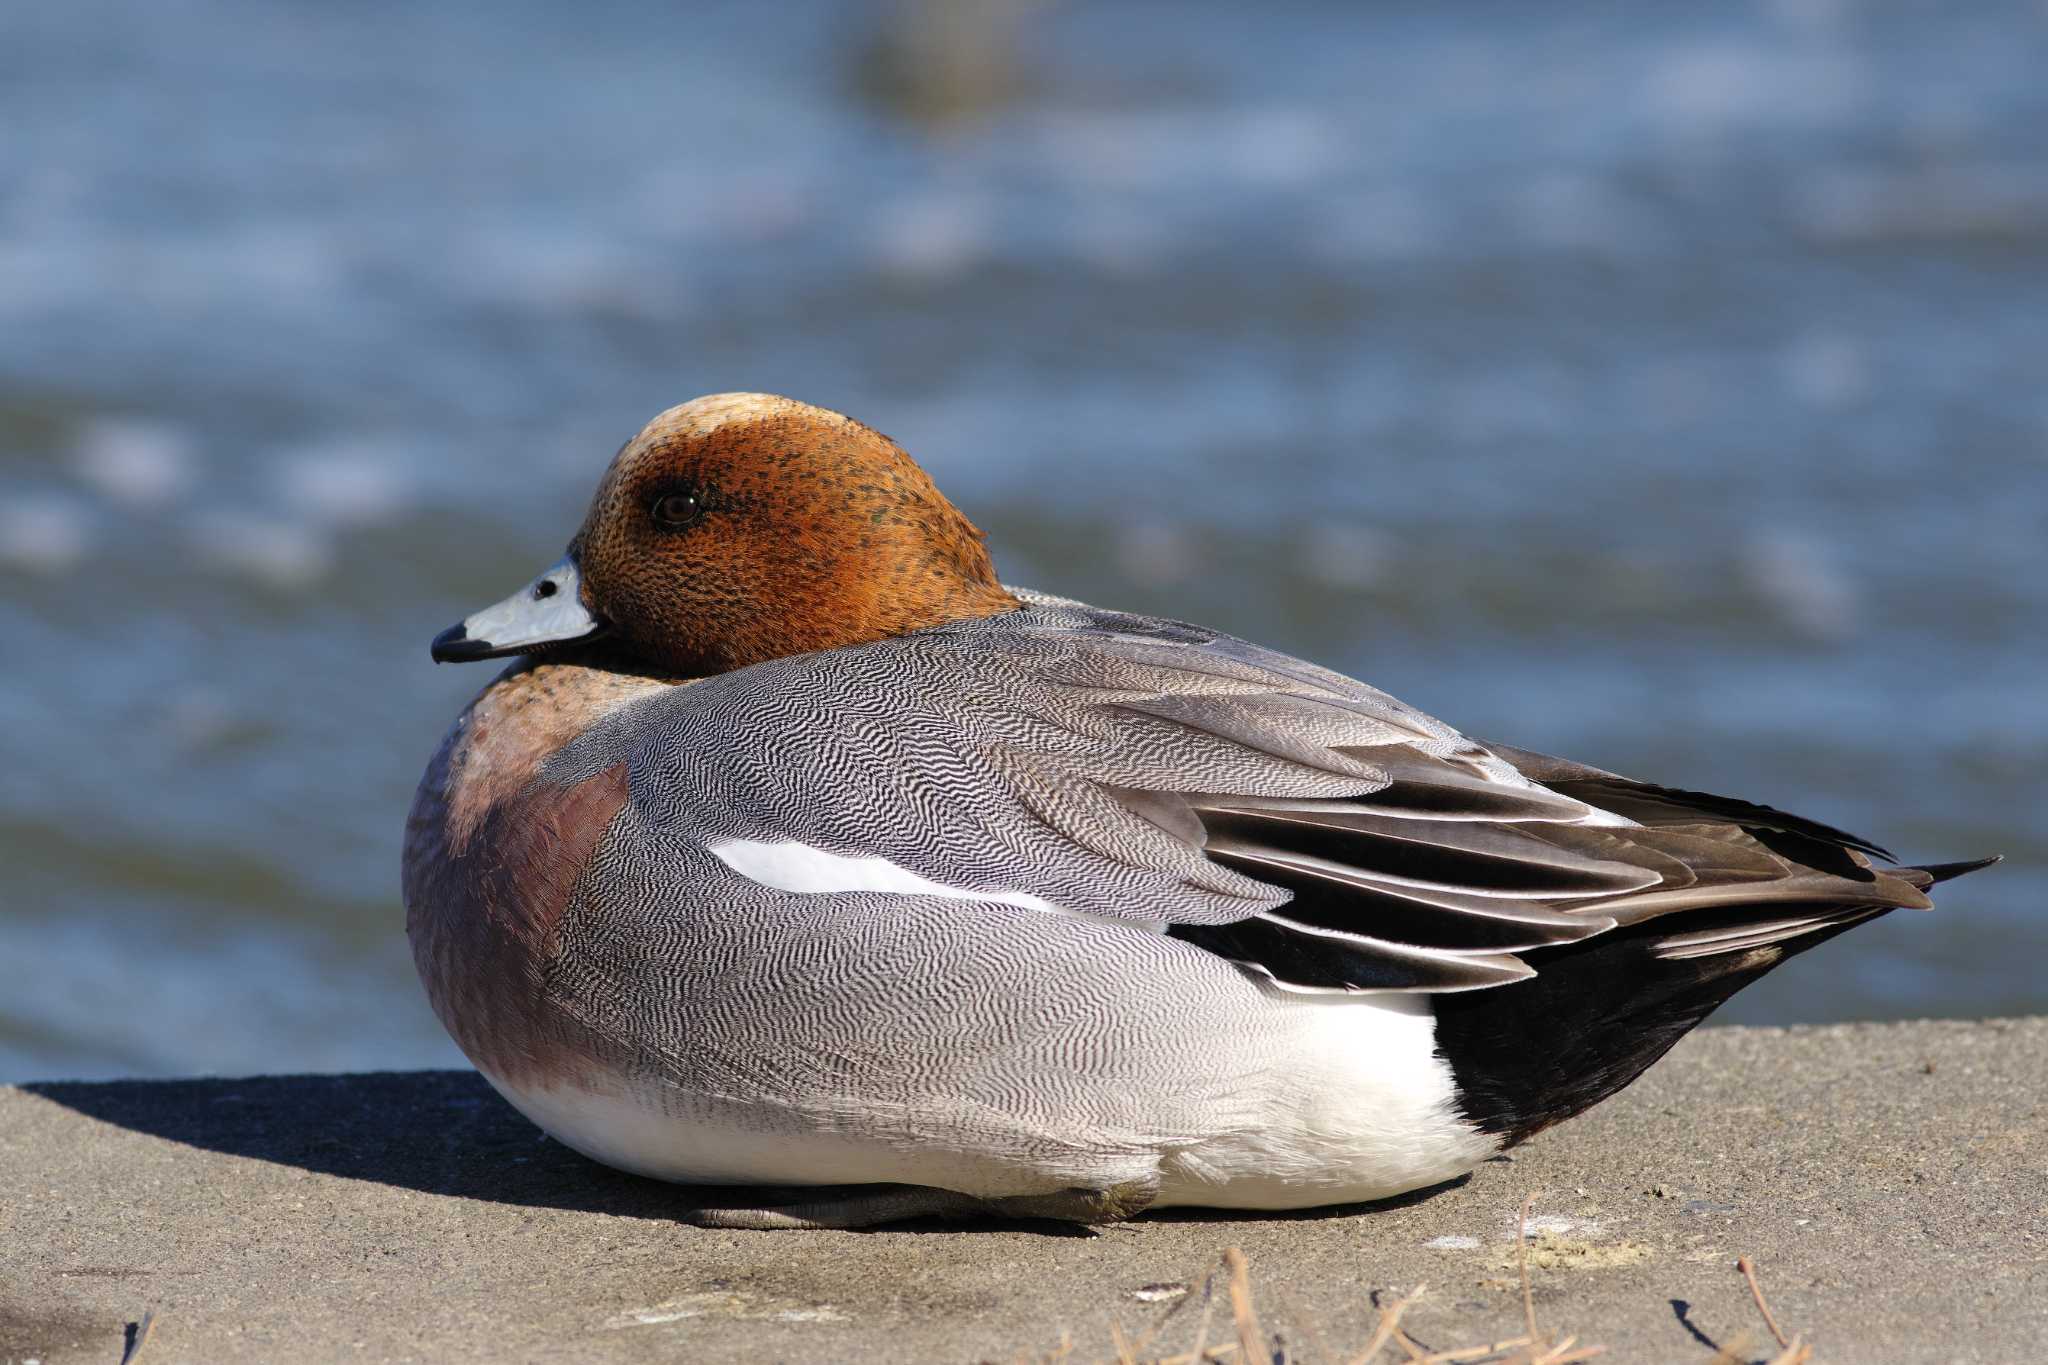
x,y
453,646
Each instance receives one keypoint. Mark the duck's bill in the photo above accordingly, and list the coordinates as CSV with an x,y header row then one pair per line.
x,y
548,611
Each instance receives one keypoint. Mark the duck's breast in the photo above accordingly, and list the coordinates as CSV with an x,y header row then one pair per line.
x,y
493,852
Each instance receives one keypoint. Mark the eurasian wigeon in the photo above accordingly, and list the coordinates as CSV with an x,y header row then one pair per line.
x,y
799,850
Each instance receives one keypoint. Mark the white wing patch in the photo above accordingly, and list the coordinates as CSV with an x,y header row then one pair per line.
x,y
788,865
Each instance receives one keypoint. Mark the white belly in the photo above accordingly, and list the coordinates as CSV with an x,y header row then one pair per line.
x,y
722,1144
1366,1111
1361,1109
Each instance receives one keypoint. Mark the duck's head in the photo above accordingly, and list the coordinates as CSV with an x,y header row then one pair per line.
x,y
743,527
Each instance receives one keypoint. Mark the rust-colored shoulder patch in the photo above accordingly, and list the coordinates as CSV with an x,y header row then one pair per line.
x,y
498,744
483,923
492,856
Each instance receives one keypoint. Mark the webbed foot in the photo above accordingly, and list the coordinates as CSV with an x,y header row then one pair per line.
x,y
866,1206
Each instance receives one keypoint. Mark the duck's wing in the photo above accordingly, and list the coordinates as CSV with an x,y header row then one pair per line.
x,y
1295,821
1390,852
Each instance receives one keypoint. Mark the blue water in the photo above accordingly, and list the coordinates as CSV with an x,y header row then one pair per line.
x,y
1665,386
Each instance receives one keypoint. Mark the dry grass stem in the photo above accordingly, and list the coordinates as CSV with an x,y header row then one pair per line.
x,y
1208,1306
1522,1248
1792,1351
1468,1353
1250,1338
1757,1292
1735,1352
1125,1355
1534,1347
1562,1352
1389,1323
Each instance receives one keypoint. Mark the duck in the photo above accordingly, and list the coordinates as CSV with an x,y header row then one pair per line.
x,y
796,851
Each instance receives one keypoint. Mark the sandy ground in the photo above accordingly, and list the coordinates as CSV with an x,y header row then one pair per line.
x,y
1889,1181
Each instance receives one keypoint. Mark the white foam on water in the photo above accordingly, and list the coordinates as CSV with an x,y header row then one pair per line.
x,y
134,461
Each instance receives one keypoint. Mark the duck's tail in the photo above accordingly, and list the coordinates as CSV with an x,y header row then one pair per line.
x,y
1925,875
1596,1016
1598,1012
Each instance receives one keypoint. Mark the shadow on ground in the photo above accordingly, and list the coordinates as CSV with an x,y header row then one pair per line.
x,y
447,1133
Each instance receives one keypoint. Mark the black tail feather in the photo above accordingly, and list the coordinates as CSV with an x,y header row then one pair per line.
x,y
1941,872
1593,1018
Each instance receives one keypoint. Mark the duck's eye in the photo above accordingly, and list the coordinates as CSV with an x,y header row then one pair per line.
x,y
674,511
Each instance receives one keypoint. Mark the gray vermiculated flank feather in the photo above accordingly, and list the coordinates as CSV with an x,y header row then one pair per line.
x,y
1125,769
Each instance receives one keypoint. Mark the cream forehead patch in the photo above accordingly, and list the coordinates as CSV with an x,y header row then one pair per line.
x,y
702,416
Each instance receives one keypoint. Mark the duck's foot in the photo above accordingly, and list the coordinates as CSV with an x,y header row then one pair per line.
x,y
871,1206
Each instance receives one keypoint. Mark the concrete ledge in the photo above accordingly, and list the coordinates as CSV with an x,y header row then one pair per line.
x,y
1890,1181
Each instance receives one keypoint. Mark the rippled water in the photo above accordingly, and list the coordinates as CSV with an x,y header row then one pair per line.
x,y
1666,387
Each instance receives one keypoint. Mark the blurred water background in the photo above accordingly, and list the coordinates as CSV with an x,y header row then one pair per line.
x,y
1666,386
